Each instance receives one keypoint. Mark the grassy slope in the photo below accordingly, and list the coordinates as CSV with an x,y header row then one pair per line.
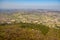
x,y
28,31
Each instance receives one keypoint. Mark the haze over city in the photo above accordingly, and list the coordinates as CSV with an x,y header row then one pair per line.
x,y
30,4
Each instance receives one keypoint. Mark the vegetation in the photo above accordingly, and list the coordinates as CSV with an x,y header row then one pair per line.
x,y
28,31
44,29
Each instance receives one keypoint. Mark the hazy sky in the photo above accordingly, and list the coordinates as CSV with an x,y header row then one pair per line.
x,y
31,4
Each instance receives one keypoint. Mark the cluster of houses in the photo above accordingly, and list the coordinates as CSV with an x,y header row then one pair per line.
x,y
31,19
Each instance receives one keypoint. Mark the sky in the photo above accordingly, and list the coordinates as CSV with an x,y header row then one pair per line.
x,y
30,4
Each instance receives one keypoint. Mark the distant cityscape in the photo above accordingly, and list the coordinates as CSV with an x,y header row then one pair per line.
x,y
46,17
